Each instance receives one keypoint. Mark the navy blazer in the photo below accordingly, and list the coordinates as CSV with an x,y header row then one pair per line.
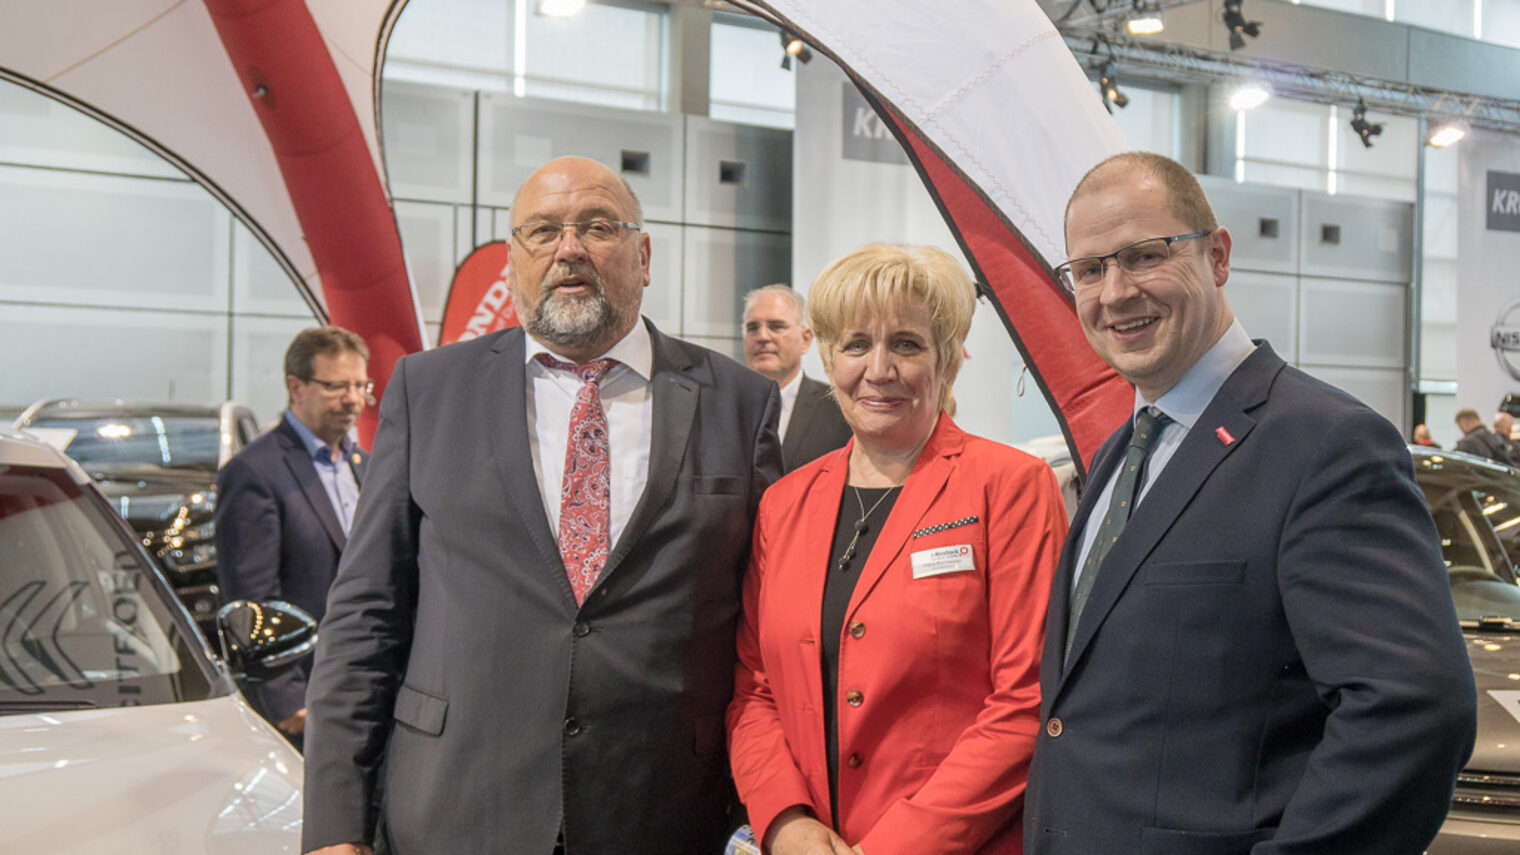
x,y
1269,661
454,650
277,537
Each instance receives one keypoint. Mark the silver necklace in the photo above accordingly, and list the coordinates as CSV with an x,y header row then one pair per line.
x,y
860,525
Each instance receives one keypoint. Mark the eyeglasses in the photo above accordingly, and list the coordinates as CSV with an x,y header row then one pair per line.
x,y
539,235
338,387
1139,260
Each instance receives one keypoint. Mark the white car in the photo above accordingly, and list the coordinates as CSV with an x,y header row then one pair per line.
x,y
120,731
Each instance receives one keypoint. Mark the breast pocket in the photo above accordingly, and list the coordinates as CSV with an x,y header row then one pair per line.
x,y
1196,573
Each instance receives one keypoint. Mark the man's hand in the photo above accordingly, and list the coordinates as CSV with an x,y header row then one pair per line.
x,y
342,848
795,833
296,724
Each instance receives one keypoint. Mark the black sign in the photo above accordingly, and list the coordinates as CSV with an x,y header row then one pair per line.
x,y
866,136
1503,201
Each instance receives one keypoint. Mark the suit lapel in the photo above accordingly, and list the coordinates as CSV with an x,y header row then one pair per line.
x,y
1059,612
1195,460
924,484
506,375
675,394
301,467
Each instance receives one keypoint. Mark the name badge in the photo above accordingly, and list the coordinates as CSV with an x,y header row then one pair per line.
x,y
945,559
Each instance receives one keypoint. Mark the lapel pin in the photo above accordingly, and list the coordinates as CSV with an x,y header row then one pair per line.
x,y
357,459
1224,435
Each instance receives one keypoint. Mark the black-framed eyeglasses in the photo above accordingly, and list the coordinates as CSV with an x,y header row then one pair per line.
x,y
338,387
1138,260
539,235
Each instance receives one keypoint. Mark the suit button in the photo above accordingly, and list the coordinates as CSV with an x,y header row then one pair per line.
x,y
572,727
857,629
1053,727
582,629
853,761
854,698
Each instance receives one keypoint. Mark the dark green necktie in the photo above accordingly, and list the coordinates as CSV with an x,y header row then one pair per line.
x,y
1148,426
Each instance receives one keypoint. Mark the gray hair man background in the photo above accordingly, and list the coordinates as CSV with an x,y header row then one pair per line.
x,y
776,336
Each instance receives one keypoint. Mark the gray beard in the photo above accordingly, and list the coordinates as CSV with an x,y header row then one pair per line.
x,y
572,321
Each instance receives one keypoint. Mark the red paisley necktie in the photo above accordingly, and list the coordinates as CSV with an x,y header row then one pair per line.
x,y
584,526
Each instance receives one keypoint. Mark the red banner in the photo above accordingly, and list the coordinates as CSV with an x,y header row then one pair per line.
x,y
479,301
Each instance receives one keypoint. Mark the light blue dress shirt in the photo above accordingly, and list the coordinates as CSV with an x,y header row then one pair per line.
x,y
337,476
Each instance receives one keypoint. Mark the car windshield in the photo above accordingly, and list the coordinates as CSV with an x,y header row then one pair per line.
x,y
1477,513
117,441
81,623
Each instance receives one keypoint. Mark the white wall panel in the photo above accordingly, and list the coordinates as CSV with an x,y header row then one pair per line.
x,y
1351,323
44,132
427,236
258,363
427,135
259,285
667,263
1262,221
721,266
111,241
1267,306
1371,239
1382,390
67,351
738,176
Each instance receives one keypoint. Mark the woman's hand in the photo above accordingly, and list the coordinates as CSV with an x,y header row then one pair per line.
x,y
795,833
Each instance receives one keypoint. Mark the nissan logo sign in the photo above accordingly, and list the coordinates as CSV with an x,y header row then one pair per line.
x,y
1504,338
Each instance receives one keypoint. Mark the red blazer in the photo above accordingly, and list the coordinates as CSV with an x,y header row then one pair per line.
x,y
934,756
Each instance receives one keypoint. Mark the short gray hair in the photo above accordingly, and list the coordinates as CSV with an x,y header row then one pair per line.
x,y
780,289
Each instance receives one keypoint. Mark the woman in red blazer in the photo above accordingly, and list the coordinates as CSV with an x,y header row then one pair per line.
x,y
887,692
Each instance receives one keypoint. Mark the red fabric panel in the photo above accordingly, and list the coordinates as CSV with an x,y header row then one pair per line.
x,y
1089,398
275,46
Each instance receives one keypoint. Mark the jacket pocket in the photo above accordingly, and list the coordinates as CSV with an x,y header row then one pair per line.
x,y
1196,573
420,711
1170,841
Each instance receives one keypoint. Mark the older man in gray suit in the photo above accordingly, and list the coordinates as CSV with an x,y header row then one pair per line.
x,y
531,633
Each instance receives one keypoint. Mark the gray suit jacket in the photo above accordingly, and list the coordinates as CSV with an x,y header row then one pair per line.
x,y
1269,661
454,651
816,427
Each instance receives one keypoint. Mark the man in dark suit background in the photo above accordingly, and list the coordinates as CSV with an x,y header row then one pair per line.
x,y
286,501
532,632
776,335
1251,645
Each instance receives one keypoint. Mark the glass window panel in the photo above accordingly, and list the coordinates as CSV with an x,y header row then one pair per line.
x,y
451,36
1285,131
1149,123
604,55
1304,178
1376,186
746,82
1356,7
1452,16
1394,152
1501,22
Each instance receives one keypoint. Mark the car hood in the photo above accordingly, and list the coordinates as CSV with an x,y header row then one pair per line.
x,y
1496,669
177,779
149,496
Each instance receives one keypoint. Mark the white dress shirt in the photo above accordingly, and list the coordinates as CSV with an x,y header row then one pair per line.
x,y
1183,403
629,406
788,403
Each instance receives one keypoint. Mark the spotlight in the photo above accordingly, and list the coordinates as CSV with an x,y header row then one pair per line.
x,y
793,46
1447,134
1238,26
1364,129
1146,18
1249,97
1108,83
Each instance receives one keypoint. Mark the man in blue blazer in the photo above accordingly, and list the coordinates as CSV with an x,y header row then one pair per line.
x,y
286,501
1263,656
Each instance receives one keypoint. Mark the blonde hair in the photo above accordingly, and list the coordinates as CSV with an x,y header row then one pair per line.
x,y
885,280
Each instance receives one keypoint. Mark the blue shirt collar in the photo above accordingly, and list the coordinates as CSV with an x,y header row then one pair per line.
x,y
316,447
1186,401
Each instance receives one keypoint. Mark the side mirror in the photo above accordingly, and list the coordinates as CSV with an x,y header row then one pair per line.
x,y
258,637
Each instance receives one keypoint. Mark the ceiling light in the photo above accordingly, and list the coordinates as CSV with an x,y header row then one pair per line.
x,y
1249,97
1447,134
1146,20
793,46
1363,128
560,8
1108,84
1239,27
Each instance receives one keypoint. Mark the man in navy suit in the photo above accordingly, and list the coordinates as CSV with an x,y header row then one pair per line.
x,y
286,501
1251,645
776,335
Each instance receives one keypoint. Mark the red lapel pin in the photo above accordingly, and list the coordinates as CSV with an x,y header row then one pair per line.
x,y
1224,435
